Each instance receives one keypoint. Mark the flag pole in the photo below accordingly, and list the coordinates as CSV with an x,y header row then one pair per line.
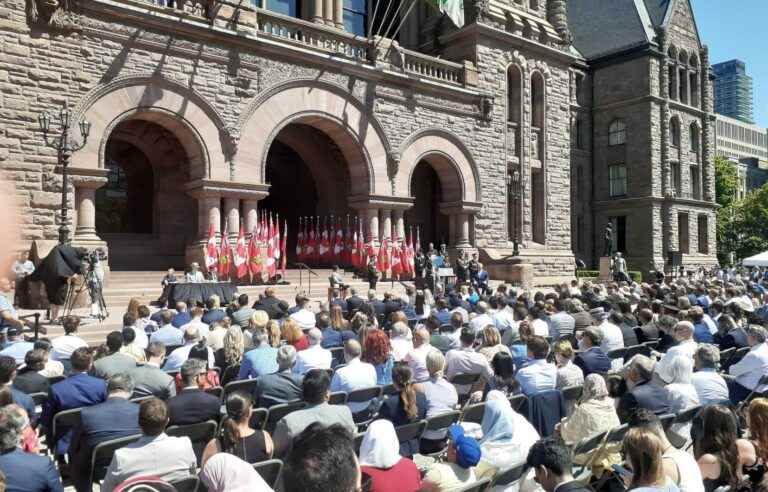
x,y
391,23
402,21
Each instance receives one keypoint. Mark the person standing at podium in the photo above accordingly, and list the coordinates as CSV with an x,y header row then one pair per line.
x,y
194,275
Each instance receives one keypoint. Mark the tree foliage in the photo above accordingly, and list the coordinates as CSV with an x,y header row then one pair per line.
x,y
726,181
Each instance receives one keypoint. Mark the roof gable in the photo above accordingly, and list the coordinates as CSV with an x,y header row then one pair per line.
x,y
603,27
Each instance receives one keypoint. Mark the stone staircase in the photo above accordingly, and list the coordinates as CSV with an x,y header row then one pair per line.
x,y
122,286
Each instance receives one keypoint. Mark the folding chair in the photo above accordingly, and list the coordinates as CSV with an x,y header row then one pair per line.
x,y
270,471
517,401
683,418
337,355
587,447
216,391
462,381
619,353
244,386
101,455
473,413
259,418
411,431
338,398
736,357
479,486
441,422
365,395
571,395
509,477
762,382
637,349
200,434
188,484
277,412
62,422
389,390
140,399
666,420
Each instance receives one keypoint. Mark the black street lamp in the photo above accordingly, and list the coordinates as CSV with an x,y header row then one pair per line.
x,y
513,182
65,147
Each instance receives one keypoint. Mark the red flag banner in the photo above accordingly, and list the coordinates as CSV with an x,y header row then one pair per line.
x,y
241,255
254,254
211,250
225,254
300,243
383,259
283,250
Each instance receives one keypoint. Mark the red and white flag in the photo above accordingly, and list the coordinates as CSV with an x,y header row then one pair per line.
x,y
283,250
338,245
269,264
211,251
311,248
225,254
325,246
411,255
241,255
383,258
254,253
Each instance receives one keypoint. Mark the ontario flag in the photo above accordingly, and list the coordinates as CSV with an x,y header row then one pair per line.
x,y
254,253
225,254
211,251
269,263
396,259
300,243
410,255
241,255
354,252
276,244
311,248
325,246
283,248
348,245
383,258
338,245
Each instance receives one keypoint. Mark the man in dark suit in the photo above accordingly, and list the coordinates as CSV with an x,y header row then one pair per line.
x,y
213,311
78,390
182,316
331,337
336,300
354,301
7,375
551,461
281,387
274,307
193,405
29,472
114,363
391,305
117,417
28,379
378,306
592,359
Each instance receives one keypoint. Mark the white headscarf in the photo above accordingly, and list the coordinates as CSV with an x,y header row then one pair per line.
x,y
380,447
226,472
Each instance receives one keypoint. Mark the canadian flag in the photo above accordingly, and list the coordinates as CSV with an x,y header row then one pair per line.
x,y
283,246
383,259
254,254
300,243
338,245
225,254
325,246
354,251
311,248
270,262
411,255
211,251
241,254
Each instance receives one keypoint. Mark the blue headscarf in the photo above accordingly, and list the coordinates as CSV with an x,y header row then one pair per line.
x,y
498,424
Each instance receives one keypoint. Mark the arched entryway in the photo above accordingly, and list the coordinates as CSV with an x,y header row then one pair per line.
x,y
143,211
426,189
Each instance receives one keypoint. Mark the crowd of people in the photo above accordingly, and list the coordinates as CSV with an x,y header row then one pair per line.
x,y
638,357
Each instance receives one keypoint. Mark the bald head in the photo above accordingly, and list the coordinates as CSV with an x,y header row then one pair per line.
x,y
352,350
420,336
315,336
191,334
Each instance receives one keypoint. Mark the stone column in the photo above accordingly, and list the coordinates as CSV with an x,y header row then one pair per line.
x,y
372,217
250,214
462,231
85,198
208,212
338,13
317,14
328,12
232,209
386,223
399,223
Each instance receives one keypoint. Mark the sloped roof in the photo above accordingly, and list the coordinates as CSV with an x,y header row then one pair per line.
x,y
657,10
602,27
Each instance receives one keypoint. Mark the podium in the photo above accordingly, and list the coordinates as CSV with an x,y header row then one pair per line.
x,y
605,269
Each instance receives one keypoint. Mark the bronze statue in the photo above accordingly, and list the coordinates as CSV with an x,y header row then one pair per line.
x,y
608,237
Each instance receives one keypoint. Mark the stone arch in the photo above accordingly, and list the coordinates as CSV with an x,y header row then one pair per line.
x,y
672,52
448,156
327,108
693,61
160,100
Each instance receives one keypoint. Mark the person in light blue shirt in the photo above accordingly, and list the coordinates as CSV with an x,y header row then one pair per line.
x,y
168,334
16,346
355,375
539,375
261,360
710,386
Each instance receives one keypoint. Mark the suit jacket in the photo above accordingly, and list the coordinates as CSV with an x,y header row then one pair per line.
x,y
191,406
341,303
378,306
28,381
274,307
180,319
28,472
331,338
213,315
78,390
151,380
242,316
593,360
277,388
392,306
354,303
25,401
169,458
108,366
293,424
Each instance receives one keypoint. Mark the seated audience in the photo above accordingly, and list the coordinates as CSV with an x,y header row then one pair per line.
x,y
216,332
643,451
680,392
260,360
282,386
167,334
355,375
144,323
646,390
482,318
28,379
757,423
140,337
595,413
701,330
53,368
491,342
269,303
441,397
29,472
612,337
539,375
156,453
568,373
192,338
225,472
293,334
679,466
400,342
723,458
114,418
202,353
196,314
149,379
377,352
304,317
561,324
181,317
332,336
192,405
16,346
315,356
466,361
29,441
503,379
131,348
236,436
457,471
592,358
710,386
417,358
507,437
323,459
315,392
405,407
242,315
230,358
7,376
273,330
552,467
380,460
751,368
64,345
258,322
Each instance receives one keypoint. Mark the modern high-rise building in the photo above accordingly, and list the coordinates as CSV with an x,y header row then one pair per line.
x,y
733,90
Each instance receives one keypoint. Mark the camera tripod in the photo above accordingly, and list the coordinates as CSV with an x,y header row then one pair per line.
x,y
95,292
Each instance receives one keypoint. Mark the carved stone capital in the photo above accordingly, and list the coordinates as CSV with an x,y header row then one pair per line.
x,y
52,14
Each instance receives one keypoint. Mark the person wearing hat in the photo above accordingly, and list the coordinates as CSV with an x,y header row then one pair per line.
x,y
612,337
463,454
16,346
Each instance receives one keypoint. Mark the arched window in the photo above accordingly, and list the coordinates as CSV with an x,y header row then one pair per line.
x,y
694,137
537,100
617,132
514,106
674,129
534,4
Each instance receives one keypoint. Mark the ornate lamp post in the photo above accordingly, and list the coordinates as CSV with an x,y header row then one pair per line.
x,y
513,182
65,147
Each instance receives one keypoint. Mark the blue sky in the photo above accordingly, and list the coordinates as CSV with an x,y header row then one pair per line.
x,y
736,29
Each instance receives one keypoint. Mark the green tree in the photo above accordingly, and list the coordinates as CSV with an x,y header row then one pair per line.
x,y
726,181
750,223
726,186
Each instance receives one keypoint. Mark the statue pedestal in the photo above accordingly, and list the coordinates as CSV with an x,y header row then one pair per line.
x,y
605,269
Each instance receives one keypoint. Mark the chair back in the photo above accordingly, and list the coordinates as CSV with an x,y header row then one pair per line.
x,y
188,484
170,348
66,419
101,455
389,390
667,420
637,349
571,396
244,386
337,355
510,476
410,431
216,391
617,434
517,401
733,359
199,433
39,398
338,398
277,412
364,394
259,418
464,379
358,441
479,486
473,413
270,471
443,420
56,379
588,445
618,353
140,399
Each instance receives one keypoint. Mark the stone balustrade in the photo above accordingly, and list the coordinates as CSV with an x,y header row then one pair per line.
x,y
434,68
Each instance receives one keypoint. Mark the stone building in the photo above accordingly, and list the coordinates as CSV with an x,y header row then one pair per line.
x,y
204,112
